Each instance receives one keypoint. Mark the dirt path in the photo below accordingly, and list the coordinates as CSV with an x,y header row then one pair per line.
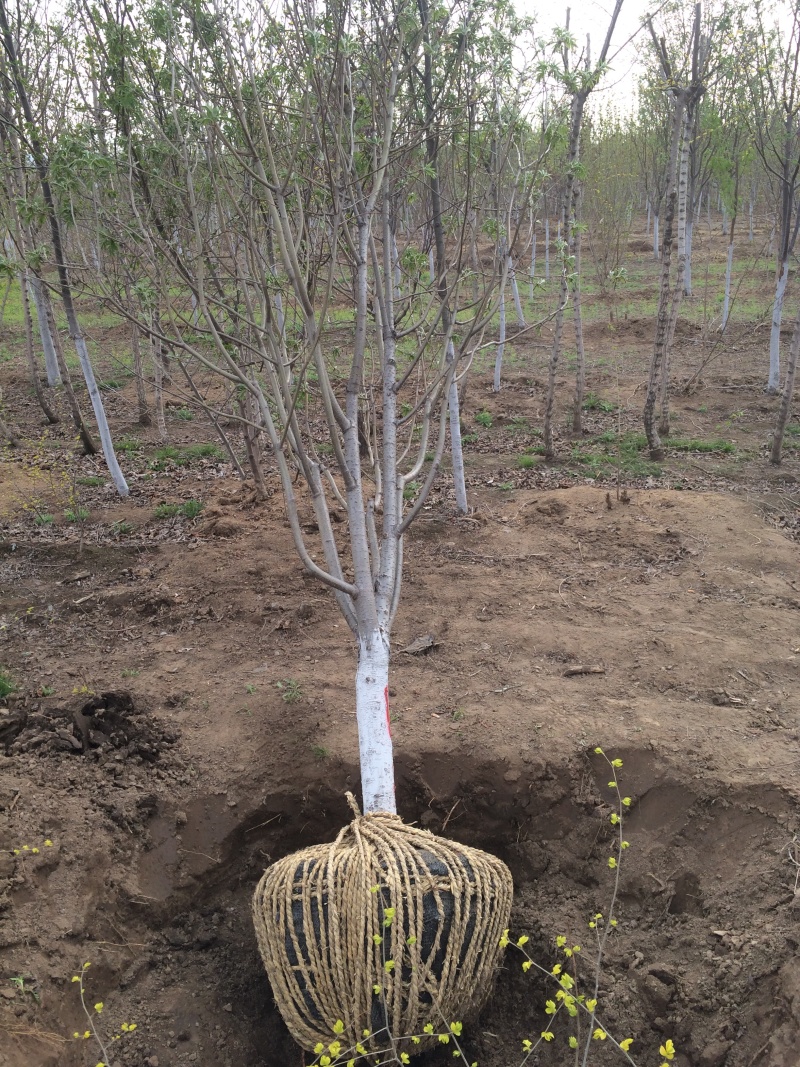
x,y
201,724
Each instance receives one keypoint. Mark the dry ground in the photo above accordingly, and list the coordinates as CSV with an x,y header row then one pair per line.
x,y
190,717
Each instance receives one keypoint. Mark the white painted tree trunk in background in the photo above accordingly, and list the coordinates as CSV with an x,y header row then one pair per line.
x,y
727,301
687,280
547,250
501,343
750,223
647,231
656,254
456,446
431,267
372,715
533,262
100,415
512,274
48,346
398,277
774,380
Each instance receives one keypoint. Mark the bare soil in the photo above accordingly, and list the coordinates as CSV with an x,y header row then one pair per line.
x,y
184,715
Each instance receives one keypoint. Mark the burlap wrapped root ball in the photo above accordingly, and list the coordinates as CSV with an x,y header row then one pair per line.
x,y
387,906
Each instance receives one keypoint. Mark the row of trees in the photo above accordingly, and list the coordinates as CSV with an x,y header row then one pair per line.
x,y
237,185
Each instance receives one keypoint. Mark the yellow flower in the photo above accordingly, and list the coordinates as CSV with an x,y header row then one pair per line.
x,y
591,1005
626,1044
405,1058
616,763
388,966
560,941
626,801
98,1006
76,978
456,1028
48,843
573,1042
557,969
338,1027
612,862
548,1035
667,1050
428,1028
522,940
598,751
527,1045
36,850
76,1034
527,964
550,1007
86,1035
599,1034
376,989
377,939
444,1038
319,1047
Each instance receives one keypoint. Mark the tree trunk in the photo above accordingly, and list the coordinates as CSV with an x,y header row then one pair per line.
x,y
374,729
246,407
647,231
89,447
774,380
785,409
50,415
687,281
678,289
456,446
533,262
547,250
501,341
655,237
521,323
664,302
726,304
141,393
577,311
48,346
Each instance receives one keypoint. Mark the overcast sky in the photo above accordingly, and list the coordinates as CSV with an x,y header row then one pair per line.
x,y
593,17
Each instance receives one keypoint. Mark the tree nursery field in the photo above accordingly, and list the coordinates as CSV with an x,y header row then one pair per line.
x,y
181,712
399,535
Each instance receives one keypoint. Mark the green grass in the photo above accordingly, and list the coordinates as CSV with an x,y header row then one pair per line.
x,y
190,510
91,481
526,462
593,402
186,414
7,684
697,444
181,456
484,418
77,514
128,444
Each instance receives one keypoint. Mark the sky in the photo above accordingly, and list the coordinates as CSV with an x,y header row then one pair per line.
x,y
593,17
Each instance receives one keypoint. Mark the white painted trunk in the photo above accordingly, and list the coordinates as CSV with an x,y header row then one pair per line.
x,y
750,223
372,715
398,278
100,415
501,344
647,232
724,222
547,250
687,278
774,381
431,268
521,323
726,304
655,238
533,262
459,481
50,358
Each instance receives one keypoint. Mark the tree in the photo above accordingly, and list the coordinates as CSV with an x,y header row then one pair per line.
x,y
685,95
28,133
581,83
776,134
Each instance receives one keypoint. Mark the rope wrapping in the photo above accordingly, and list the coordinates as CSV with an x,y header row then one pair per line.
x,y
389,905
